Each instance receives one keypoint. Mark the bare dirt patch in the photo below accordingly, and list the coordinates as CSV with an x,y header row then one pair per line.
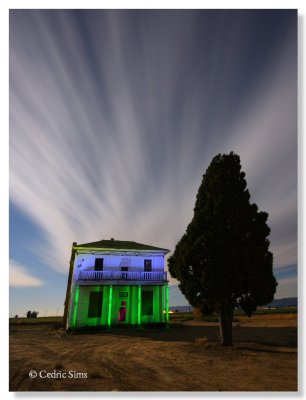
x,y
264,357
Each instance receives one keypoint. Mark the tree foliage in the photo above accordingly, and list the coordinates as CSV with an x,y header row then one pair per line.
x,y
223,259
32,314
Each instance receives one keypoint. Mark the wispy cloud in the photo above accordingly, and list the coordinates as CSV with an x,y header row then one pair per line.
x,y
20,276
287,288
114,117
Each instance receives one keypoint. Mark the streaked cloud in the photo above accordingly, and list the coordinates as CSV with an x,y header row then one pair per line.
x,y
21,277
115,115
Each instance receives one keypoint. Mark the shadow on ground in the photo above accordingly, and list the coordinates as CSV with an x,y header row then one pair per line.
x,y
273,336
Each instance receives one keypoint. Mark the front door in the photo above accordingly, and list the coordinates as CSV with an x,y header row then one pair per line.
x,y
122,312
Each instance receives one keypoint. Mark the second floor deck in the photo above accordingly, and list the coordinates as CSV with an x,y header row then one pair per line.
x,y
121,276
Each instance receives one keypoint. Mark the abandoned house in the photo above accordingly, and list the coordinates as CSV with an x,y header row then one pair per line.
x,y
114,282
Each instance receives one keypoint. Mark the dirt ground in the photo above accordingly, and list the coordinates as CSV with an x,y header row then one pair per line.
x,y
263,358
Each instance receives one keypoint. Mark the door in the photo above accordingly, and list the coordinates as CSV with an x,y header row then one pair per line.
x,y
122,312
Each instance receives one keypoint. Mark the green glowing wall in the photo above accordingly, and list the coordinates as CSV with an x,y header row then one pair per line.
x,y
156,312
110,310
167,303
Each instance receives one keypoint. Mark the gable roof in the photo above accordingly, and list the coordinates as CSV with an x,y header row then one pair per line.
x,y
118,245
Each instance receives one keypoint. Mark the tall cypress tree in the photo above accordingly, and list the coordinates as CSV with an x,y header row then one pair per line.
x,y
223,259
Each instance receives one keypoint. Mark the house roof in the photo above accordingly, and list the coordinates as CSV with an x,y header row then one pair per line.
x,y
118,245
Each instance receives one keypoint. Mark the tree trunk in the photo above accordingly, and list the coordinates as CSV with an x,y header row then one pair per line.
x,y
225,315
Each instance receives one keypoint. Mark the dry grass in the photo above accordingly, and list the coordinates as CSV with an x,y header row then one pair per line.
x,y
264,357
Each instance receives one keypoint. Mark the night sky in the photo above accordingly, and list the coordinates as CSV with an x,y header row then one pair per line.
x,y
114,118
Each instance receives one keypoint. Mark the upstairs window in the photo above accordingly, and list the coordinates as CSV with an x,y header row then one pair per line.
x,y
99,264
148,265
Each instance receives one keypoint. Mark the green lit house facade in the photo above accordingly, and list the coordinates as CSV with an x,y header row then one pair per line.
x,y
115,282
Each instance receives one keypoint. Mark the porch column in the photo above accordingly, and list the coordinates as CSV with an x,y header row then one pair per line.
x,y
110,301
139,305
75,306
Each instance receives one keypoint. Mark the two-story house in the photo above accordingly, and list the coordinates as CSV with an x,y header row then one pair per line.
x,y
116,282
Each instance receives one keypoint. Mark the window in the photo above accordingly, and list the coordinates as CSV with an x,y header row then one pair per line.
x,y
147,265
146,302
124,268
125,262
95,304
123,294
99,264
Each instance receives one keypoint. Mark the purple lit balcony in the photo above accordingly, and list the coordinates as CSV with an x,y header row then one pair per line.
x,y
122,276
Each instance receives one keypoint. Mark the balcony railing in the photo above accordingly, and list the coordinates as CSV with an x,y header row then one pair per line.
x,y
122,276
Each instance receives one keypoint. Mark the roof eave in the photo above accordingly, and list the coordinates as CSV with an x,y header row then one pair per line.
x,y
116,250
